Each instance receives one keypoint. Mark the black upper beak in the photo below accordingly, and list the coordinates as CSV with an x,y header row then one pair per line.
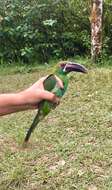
x,y
71,66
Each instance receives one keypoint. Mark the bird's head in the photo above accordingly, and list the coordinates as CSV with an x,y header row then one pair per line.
x,y
67,67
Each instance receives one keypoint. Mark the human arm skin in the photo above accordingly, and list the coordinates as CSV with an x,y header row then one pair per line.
x,y
26,99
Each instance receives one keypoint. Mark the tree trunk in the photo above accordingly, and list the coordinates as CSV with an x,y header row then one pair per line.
x,y
96,29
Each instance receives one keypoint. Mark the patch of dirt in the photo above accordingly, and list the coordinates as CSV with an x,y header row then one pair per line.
x,y
8,143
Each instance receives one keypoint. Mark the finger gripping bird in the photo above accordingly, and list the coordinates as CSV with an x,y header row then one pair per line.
x,y
62,70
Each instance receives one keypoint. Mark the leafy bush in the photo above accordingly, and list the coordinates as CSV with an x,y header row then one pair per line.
x,y
38,30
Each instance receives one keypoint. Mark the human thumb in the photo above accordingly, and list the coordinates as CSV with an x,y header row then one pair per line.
x,y
50,96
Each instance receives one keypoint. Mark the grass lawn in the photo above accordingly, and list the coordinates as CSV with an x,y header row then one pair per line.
x,y
72,148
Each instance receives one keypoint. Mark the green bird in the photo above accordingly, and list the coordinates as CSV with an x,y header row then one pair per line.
x,y
62,70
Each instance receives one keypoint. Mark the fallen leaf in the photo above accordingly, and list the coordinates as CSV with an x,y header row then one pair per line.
x,y
61,163
81,172
92,187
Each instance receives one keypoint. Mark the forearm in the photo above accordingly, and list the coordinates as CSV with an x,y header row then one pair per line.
x,y
9,110
10,103
9,100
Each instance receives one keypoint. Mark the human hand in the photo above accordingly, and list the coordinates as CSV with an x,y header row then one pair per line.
x,y
37,93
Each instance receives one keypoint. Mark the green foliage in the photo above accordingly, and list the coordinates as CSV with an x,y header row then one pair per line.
x,y
107,38
39,30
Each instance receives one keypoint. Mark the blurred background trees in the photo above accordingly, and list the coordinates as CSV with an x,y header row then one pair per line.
x,y
40,30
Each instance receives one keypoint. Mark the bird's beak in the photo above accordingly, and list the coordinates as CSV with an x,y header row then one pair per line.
x,y
71,66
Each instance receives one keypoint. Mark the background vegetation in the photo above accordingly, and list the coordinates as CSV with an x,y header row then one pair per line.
x,y
44,29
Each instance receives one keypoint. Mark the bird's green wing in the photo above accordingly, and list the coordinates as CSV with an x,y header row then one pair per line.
x,y
50,82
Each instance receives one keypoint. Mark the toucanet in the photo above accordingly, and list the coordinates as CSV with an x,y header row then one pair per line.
x,y
62,70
